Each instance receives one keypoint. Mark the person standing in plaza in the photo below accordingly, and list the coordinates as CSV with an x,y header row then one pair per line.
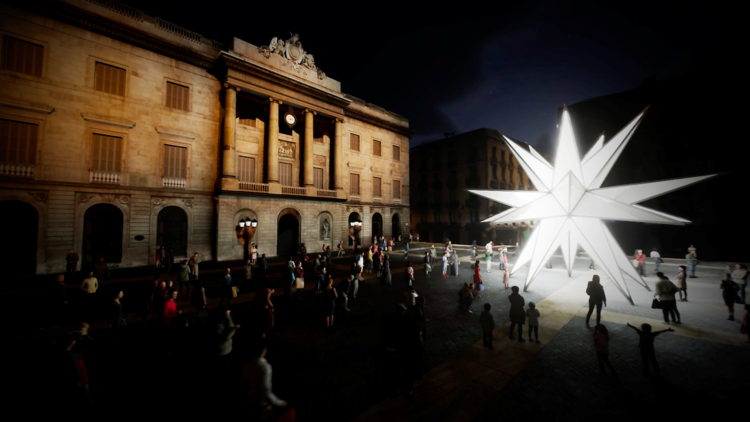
x,y
427,266
487,322
158,256
71,263
340,249
596,299
601,344
506,278
225,330
329,301
478,277
533,315
433,255
445,264
248,273
193,264
170,310
517,314
116,321
466,297
385,279
226,289
355,272
376,257
729,294
410,297
257,381
160,297
454,263
641,257
666,290
89,286
299,279
101,272
409,272
488,255
343,288
368,260
691,262
691,249
263,266
288,279
183,279
169,261
198,298
473,256
739,276
682,283
253,253
656,258
646,344
320,272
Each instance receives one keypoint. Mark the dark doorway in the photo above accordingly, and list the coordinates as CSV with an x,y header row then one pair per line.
x,y
377,225
172,230
102,235
19,233
352,218
287,242
396,226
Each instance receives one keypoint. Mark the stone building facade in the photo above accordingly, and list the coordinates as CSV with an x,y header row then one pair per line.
x,y
121,131
444,170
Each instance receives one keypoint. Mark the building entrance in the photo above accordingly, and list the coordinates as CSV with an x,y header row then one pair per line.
x,y
396,226
102,235
172,230
287,242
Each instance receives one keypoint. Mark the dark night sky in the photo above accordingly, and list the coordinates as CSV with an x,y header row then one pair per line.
x,y
454,69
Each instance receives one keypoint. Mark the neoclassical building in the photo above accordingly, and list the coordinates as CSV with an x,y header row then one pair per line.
x,y
121,131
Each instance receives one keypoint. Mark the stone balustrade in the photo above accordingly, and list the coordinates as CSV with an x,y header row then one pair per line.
x,y
17,170
292,190
104,177
326,193
254,187
174,182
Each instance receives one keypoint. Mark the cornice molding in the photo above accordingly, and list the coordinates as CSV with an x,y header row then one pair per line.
x,y
355,114
23,105
175,132
236,64
95,23
112,121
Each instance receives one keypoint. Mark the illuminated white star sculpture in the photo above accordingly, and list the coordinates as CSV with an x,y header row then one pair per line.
x,y
571,204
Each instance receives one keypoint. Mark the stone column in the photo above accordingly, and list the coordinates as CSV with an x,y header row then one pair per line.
x,y
228,174
309,175
273,142
338,176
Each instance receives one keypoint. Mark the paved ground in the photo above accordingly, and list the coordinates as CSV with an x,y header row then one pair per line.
x,y
340,375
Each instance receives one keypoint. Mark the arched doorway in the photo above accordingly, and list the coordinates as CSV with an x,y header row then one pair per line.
x,y
171,230
395,226
352,218
377,225
19,233
287,240
102,235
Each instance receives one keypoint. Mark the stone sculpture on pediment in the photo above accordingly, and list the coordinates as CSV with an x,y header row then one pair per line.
x,y
295,56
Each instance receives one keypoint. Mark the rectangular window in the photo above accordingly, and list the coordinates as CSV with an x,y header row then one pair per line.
x,y
354,184
377,184
285,174
396,189
22,57
246,169
109,79
178,96
106,153
175,162
376,148
354,142
318,174
396,153
18,142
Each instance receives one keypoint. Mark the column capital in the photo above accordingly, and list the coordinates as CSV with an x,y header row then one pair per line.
x,y
227,86
338,120
274,100
307,110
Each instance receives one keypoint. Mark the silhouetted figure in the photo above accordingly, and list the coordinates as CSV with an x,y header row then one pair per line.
x,y
183,279
71,262
666,290
646,344
488,324
601,344
100,270
225,329
226,288
517,314
533,314
596,298
386,277
729,294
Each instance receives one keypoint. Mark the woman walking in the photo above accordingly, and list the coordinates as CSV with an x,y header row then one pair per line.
x,y
729,294
329,302
517,314
682,282
386,277
478,277
641,257
596,298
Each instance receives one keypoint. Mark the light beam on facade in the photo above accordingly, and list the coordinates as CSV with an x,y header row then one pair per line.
x,y
570,204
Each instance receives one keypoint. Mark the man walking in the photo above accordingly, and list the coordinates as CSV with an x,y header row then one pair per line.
x,y
226,288
89,286
71,263
666,290
193,264
596,298
657,259
183,278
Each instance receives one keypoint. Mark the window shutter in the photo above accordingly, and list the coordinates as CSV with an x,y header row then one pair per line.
x,y
177,96
285,173
354,142
376,186
109,79
397,189
18,142
397,153
354,184
246,169
376,148
106,153
318,178
175,162
23,57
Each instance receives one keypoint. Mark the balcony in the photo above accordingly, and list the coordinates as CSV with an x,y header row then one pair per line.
x,y
396,200
174,182
104,177
326,193
292,190
17,170
254,187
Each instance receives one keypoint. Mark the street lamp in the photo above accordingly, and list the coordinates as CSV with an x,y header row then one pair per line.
x,y
354,228
245,232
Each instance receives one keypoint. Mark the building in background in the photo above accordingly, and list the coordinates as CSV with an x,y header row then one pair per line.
x,y
443,170
120,132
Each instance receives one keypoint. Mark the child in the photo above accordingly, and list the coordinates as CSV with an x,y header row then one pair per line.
x,y
409,272
445,264
506,278
533,315
601,344
427,267
488,324
646,344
